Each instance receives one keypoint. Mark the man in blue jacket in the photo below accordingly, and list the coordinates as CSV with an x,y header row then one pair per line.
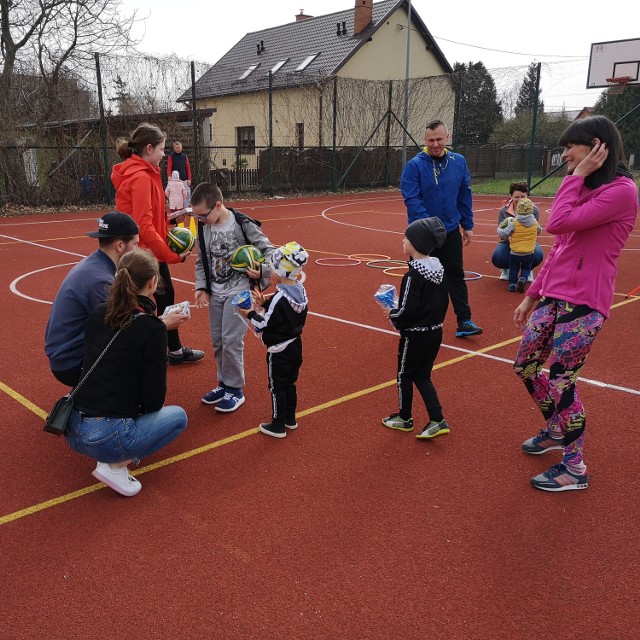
x,y
437,183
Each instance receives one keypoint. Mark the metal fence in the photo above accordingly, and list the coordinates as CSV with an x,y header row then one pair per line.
x,y
67,158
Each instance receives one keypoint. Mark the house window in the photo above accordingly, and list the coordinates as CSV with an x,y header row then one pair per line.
x,y
246,140
278,66
249,71
307,61
300,135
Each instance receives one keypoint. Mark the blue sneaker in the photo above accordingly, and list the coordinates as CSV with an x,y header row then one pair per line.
x,y
215,395
232,400
468,328
559,478
542,443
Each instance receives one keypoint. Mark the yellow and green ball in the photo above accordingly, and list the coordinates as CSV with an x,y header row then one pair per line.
x,y
180,240
246,257
506,222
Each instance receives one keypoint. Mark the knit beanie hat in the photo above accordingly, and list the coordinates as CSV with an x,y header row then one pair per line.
x,y
524,207
426,234
287,261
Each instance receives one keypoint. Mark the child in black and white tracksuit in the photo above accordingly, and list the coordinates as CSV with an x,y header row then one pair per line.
x,y
280,326
419,316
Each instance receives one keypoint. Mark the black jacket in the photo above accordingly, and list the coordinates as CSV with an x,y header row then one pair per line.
x,y
131,378
423,300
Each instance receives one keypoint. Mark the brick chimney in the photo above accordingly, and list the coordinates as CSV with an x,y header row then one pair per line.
x,y
363,15
301,16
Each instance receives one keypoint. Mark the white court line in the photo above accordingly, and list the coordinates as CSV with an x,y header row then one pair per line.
x,y
596,383
319,315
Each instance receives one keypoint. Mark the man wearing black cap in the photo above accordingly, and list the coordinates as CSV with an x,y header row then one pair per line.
x,y
85,286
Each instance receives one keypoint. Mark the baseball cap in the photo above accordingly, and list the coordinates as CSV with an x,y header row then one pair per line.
x,y
114,224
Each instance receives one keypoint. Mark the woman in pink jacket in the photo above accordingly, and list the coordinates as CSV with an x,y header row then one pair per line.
x,y
591,217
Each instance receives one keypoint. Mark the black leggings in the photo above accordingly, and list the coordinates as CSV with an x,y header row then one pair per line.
x,y
166,299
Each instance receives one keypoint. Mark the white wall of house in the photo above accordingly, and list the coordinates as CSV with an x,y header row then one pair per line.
x,y
361,105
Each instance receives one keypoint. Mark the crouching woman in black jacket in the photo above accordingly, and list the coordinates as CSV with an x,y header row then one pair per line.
x,y
118,417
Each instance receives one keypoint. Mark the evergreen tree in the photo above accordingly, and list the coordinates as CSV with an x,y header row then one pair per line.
x,y
527,93
615,107
479,108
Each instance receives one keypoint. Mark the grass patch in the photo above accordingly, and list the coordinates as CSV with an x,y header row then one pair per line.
x,y
501,187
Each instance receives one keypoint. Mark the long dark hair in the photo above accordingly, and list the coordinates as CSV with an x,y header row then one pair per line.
x,y
135,269
583,132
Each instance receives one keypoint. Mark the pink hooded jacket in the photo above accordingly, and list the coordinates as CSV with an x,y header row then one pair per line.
x,y
591,228
176,192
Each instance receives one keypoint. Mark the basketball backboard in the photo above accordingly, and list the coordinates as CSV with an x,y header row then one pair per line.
x,y
615,59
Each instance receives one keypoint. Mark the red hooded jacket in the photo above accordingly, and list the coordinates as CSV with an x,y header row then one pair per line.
x,y
139,193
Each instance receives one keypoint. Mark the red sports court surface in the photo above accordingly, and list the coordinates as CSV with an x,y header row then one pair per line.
x,y
344,529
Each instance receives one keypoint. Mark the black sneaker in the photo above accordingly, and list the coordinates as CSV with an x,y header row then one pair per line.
x,y
521,284
271,430
187,355
468,328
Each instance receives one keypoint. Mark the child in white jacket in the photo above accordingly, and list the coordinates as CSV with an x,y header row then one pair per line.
x,y
177,193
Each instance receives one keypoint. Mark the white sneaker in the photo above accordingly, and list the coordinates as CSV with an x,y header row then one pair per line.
x,y
504,274
531,277
118,479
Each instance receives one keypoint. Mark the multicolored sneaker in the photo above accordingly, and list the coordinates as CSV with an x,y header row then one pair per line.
x,y
433,430
394,421
559,478
541,443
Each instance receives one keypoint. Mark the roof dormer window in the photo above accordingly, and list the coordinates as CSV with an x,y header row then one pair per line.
x,y
249,71
307,61
276,67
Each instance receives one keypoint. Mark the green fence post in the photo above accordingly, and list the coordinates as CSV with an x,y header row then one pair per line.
x,y
108,189
334,170
534,124
196,137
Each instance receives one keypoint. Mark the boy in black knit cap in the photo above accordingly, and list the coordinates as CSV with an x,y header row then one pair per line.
x,y
422,306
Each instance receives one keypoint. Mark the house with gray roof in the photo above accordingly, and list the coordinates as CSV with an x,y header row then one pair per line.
x,y
304,83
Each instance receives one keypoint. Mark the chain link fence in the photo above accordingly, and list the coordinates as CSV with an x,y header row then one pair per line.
x,y
57,147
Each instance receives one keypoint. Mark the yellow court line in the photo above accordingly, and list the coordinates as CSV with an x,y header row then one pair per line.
x,y
219,443
213,445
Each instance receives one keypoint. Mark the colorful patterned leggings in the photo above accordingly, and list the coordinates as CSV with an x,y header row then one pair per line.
x,y
562,333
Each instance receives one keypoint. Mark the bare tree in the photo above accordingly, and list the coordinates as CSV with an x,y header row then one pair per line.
x,y
54,37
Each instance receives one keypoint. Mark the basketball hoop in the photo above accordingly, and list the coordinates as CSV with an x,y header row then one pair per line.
x,y
618,85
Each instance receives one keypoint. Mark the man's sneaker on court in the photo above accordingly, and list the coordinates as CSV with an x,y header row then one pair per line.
x,y
394,421
187,355
270,429
233,399
215,395
541,443
468,328
504,274
559,478
433,430
291,424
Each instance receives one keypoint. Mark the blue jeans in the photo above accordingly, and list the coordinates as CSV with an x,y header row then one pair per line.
x,y
519,265
119,439
500,257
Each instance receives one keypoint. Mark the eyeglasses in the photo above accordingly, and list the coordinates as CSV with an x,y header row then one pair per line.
x,y
205,216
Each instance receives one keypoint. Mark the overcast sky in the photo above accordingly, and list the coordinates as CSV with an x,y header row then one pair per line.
x,y
500,33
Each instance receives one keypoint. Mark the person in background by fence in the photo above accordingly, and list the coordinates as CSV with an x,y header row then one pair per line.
x,y
592,216
437,183
118,415
179,161
139,193
176,192
500,257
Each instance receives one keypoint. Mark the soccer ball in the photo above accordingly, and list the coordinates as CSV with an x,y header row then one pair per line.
x,y
246,257
506,222
180,240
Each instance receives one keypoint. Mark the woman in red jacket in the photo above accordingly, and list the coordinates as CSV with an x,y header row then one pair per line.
x,y
139,193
